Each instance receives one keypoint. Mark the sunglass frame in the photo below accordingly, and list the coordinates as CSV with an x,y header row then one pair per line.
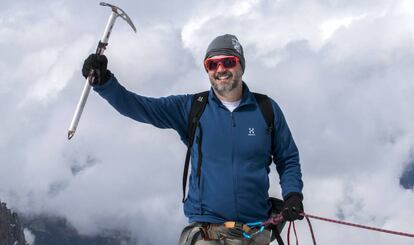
x,y
220,61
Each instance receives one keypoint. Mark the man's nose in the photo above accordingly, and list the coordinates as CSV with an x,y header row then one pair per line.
x,y
220,67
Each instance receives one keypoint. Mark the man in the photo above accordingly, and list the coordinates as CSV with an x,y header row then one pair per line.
x,y
228,184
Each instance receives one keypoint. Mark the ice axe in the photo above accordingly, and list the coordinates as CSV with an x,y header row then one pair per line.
x,y
116,12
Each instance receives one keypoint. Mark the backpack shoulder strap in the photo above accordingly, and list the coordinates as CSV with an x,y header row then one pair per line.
x,y
197,108
266,108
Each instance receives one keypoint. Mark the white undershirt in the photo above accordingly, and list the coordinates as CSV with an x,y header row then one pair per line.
x,y
231,105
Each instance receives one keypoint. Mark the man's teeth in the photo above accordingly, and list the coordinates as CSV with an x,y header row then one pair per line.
x,y
223,76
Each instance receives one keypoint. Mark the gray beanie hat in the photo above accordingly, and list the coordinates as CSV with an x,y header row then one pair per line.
x,y
226,45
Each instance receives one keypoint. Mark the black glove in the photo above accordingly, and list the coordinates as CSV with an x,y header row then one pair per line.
x,y
96,66
293,207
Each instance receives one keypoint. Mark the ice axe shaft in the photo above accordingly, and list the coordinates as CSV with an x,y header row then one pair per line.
x,y
116,12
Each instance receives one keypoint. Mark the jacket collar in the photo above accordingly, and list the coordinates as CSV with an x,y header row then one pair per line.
x,y
247,97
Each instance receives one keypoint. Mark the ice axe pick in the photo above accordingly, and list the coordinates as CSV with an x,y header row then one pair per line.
x,y
116,12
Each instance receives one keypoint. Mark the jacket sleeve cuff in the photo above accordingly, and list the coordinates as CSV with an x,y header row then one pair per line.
x,y
106,85
291,194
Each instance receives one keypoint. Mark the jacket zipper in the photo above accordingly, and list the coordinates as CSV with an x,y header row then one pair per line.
x,y
233,124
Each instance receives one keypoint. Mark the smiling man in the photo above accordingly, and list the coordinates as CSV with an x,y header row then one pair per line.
x,y
234,144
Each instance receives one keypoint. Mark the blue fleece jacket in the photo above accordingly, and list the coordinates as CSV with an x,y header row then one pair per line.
x,y
236,148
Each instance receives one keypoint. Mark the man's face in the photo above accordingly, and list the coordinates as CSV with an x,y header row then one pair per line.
x,y
225,79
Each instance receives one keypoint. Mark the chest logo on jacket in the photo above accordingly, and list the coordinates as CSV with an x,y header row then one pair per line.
x,y
251,132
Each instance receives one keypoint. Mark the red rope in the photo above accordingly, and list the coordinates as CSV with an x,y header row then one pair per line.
x,y
355,225
311,230
279,218
294,230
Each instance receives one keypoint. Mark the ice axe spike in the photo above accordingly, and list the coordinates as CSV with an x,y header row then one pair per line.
x,y
116,12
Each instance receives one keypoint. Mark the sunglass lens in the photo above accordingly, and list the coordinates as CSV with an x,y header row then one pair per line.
x,y
212,65
229,62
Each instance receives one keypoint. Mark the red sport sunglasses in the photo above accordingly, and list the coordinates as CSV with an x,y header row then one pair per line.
x,y
212,64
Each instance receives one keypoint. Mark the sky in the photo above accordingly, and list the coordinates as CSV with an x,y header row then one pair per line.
x,y
340,70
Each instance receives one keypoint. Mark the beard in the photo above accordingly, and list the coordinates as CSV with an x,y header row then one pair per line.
x,y
233,81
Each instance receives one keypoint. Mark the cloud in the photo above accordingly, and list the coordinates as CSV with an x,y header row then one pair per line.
x,y
29,236
340,70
